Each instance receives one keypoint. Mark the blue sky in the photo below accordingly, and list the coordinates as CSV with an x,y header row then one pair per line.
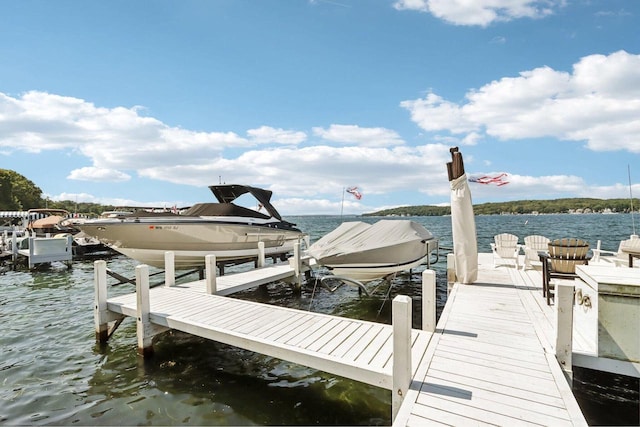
x,y
149,102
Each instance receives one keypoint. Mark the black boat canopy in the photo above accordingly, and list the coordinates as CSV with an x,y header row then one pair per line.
x,y
227,193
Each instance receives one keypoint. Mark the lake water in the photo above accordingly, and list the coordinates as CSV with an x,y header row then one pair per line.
x,y
52,371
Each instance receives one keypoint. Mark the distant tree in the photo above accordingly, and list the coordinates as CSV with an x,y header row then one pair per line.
x,y
17,192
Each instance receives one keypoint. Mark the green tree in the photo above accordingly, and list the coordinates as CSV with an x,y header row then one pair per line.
x,y
17,192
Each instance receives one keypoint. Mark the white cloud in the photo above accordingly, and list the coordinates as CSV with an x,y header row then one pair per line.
x,y
117,138
98,174
481,12
89,198
267,134
353,134
433,113
598,103
310,171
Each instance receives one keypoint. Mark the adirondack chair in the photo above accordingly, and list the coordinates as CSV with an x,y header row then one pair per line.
x,y
621,257
560,262
532,245
505,247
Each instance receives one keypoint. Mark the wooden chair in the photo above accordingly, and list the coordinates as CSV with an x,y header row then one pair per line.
x,y
505,247
560,262
620,258
532,245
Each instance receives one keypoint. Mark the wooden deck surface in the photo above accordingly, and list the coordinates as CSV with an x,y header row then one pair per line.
x,y
490,360
487,364
355,349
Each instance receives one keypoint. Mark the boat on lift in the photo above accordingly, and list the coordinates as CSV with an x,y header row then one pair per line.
x,y
226,229
365,252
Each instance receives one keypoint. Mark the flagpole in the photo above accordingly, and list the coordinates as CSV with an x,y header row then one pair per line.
x,y
342,204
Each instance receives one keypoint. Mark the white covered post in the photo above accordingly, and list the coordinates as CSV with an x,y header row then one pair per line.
x,y
401,320
564,328
429,300
169,268
261,254
210,273
100,300
143,324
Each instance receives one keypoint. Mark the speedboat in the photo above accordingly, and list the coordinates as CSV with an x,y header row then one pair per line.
x,y
229,231
366,252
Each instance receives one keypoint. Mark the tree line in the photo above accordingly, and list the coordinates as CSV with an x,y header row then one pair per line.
x,y
569,205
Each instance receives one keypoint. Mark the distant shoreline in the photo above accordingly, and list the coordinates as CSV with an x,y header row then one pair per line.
x,y
522,207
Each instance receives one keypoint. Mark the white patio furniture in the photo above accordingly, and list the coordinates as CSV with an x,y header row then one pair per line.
x,y
505,249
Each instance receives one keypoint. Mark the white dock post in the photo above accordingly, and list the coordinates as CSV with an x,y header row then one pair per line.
x,y
169,268
564,328
100,301
451,272
261,254
429,300
143,324
14,247
298,266
401,319
210,270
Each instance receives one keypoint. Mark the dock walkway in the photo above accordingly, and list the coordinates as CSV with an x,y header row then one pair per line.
x,y
486,362
355,349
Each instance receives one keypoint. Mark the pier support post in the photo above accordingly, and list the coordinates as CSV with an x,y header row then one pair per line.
x,y
564,328
429,300
14,247
297,266
100,301
261,254
210,274
401,319
143,324
451,272
101,314
169,268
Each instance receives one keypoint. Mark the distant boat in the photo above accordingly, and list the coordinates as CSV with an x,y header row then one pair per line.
x,y
58,222
365,252
227,230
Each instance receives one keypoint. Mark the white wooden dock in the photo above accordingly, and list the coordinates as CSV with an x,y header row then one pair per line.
x,y
487,364
356,349
488,361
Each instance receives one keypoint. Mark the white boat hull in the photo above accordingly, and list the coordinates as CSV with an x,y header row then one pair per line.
x,y
195,259
190,240
368,272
